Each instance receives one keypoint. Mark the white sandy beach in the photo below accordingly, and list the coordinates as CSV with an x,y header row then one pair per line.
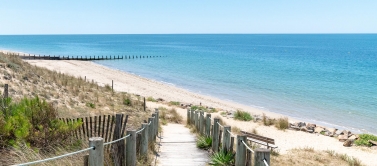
x,y
123,81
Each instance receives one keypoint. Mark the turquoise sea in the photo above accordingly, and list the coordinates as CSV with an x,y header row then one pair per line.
x,y
329,79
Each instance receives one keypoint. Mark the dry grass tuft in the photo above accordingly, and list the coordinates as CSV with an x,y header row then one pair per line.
x,y
309,156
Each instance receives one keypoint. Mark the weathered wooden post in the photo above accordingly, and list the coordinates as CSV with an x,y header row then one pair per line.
x,y
226,139
6,91
154,126
144,141
231,144
215,136
208,125
241,150
188,116
260,155
96,156
196,121
131,148
192,117
112,85
201,123
144,104
157,120
150,128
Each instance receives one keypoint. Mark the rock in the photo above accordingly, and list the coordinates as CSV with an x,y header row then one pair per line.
x,y
304,129
345,132
160,99
310,126
373,142
348,143
311,131
332,131
300,124
353,137
318,129
342,138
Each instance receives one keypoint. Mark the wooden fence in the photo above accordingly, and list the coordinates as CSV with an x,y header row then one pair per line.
x,y
223,139
122,153
81,58
111,131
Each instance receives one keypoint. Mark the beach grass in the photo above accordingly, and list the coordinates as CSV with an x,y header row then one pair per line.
x,y
242,115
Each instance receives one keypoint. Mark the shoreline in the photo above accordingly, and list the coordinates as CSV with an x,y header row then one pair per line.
x,y
130,83
181,94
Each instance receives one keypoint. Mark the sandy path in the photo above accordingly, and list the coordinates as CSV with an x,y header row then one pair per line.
x,y
134,84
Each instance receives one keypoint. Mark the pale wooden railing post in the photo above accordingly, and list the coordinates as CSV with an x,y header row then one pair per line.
x,y
157,121
96,156
188,117
215,136
261,154
241,150
144,141
154,125
150,129
196,120
208,125
192,117
131,148
201,123
226,139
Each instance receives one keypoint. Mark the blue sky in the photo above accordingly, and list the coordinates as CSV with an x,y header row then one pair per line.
x,y
190,16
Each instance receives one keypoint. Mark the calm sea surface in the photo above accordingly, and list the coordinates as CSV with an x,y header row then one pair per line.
x,y
327,79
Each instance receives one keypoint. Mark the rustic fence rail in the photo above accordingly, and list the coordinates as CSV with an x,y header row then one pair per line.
x,y
222,135
81,58
125,152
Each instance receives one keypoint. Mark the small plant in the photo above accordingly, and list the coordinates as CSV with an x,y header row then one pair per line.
x,y
204,142
176,103
91,105
195,107
108,87
127,102
267,121
242,115
222,158
282,123
275,152
151,99
364,140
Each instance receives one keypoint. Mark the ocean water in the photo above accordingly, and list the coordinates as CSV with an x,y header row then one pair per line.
x,y
329,79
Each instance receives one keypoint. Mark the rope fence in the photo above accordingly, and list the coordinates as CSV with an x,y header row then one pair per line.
x,y
224,140
96,149
265,162
247,147
54,158
107,143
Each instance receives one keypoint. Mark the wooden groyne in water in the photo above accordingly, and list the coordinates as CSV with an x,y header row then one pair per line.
x,y
81,58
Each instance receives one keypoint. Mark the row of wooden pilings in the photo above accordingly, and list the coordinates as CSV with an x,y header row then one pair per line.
x,y
221,135
147,135
85,58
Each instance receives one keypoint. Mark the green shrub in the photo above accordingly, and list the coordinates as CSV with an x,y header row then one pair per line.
x,y
151,99
282,123
222,158
242,115
91,105
195,107
364,140
127,101
174,103
204,142
32,121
